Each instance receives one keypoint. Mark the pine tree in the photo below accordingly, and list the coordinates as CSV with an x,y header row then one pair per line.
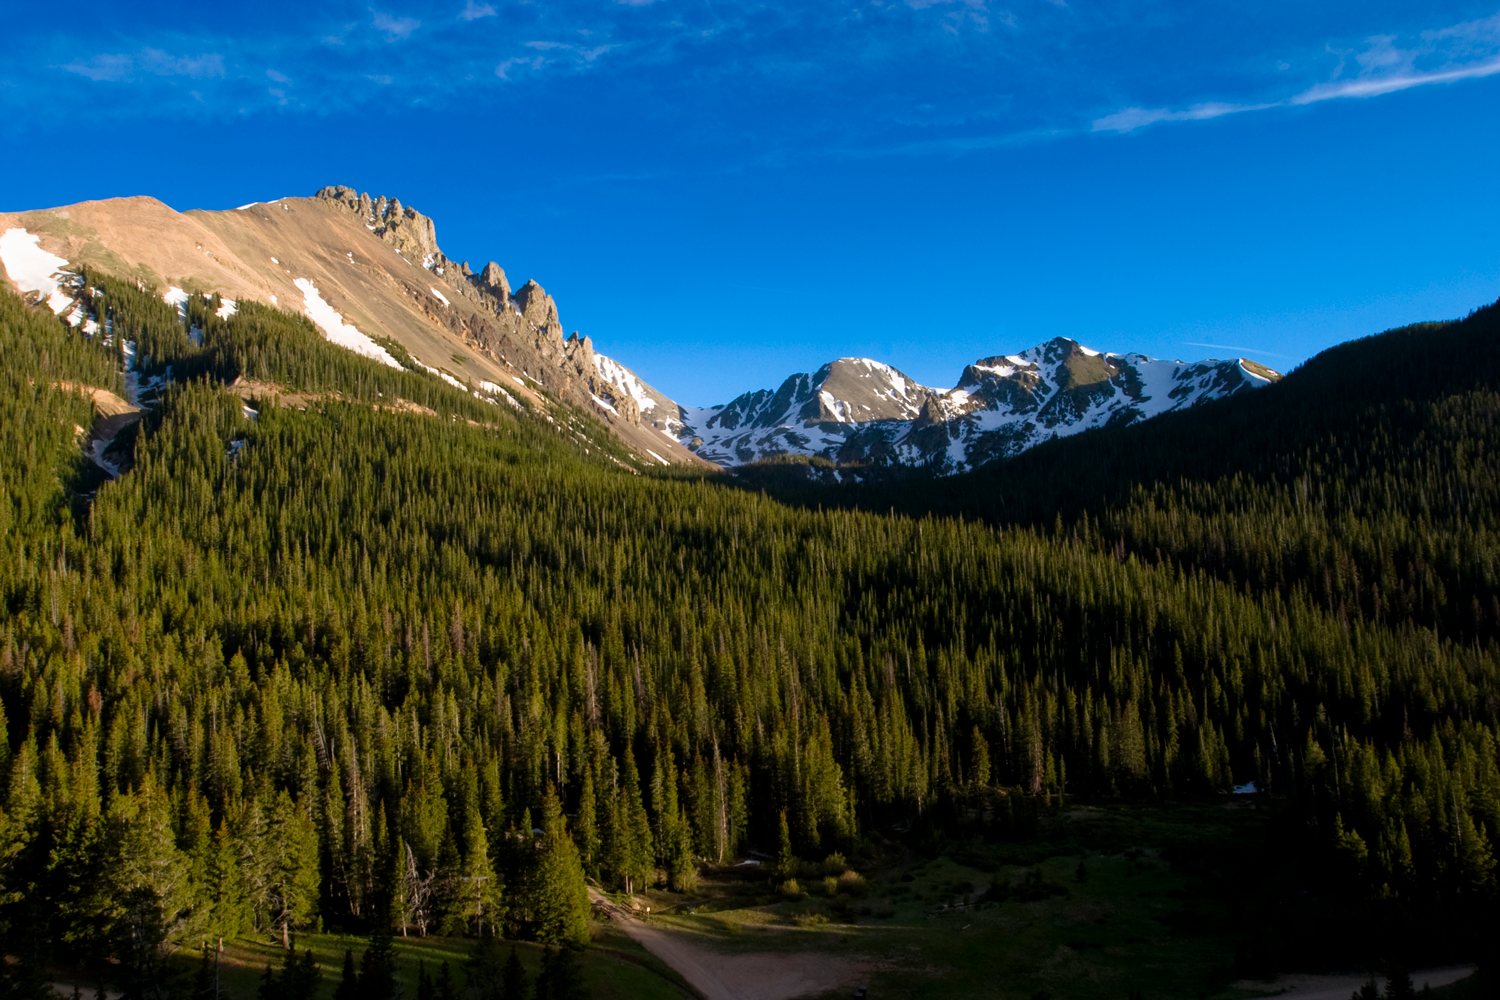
x,y
559,902
270,986
482,971
149,894
980,768
299,977
479,894
295,871
224,891
787,862
348,987
446,990
513,981
561,976
377,966
682,867
1398,985
589,842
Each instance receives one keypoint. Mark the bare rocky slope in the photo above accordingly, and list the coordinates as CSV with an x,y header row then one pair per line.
x,y
362,268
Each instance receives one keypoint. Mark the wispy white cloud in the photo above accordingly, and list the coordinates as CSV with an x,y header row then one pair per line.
x,y
904,84
197,67
965,13
1465,51
395,28
103,67
1130,119
1374,87
504,68
153,62
1243,350
474,11
552,52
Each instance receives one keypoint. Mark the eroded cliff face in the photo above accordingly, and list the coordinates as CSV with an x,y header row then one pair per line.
x,y
521,328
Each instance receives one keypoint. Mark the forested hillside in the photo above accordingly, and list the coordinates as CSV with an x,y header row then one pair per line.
x,y
420,664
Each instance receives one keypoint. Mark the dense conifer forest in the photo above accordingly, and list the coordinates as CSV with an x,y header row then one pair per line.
x,y
422,668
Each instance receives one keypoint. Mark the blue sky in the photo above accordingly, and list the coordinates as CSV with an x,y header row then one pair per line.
x,y
723,193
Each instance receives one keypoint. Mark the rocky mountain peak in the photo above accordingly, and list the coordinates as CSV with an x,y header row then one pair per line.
x,y
855,411
405,229
538,308
493,278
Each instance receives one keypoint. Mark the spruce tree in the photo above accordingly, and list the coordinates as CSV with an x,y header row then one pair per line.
x,y
513,980
482,971
348,987
478,895
269,988
787,862
300,976
561,976
559,897
446,990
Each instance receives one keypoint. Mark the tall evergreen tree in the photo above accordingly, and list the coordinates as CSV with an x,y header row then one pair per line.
x,y
559,903
348,987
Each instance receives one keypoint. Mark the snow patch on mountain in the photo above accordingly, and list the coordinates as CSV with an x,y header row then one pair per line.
x,y
175,296
335,329
33,269
656,410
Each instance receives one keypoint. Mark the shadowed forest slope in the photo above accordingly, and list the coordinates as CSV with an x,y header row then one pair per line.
x,y
333,663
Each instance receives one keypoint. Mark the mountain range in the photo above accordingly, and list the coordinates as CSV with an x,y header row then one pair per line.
x,y
855,411
369,270
346,618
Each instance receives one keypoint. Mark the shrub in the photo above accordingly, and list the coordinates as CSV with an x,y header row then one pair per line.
x,y
853,883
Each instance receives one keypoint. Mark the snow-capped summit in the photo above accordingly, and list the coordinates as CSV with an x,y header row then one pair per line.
x,y
858,411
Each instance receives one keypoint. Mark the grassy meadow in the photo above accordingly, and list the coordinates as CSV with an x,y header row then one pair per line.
x,y
1108,902
615,967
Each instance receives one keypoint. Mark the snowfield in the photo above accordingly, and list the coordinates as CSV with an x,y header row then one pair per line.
x,y
335,329
33,269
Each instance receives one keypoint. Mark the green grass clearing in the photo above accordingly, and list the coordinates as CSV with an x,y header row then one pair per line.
x,y
615,967
1151,911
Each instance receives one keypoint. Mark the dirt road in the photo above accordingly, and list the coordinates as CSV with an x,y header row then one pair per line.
x,y
760,976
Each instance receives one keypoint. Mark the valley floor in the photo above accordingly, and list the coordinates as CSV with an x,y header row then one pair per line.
x,y
1106,902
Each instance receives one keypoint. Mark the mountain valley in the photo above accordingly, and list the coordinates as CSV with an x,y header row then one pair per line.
x,y
348,607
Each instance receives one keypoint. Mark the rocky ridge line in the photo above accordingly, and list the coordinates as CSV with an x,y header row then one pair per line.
x,y
520,328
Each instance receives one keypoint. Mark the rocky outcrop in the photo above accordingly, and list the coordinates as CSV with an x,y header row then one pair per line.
x,y
492,279
405,229
521,328
538,308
